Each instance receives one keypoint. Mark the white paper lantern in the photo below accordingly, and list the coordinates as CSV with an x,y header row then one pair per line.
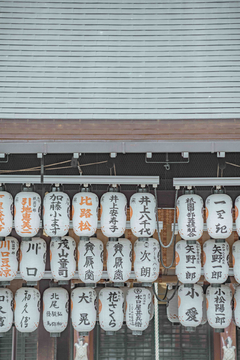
x,y
6,213
111,309
237,217
119,260
56,213
138,309
63,258
215,261
27,309
204,318
236,260
142,214
190,216
55,309
6,310
237,306
188,262
113,214
33,259
90,260
219,216
85,213
84,310
8,258
190,301
172,308
219,309
27,213
146,260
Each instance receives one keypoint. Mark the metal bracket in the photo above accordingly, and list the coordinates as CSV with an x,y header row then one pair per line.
x,y
166,162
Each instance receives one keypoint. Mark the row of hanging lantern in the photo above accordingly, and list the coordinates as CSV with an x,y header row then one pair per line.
x,y
112,309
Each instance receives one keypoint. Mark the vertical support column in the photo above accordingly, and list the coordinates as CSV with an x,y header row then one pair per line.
x,y
156,323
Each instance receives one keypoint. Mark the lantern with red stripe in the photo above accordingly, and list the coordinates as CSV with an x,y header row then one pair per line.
x,y
188,261
27,309
190,299
236,260
6,213
119,260
63,258
6,310
146,260
90,260
216,261
172,308
33,259
8,258
111,309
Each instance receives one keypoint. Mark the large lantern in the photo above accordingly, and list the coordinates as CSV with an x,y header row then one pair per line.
x,y
63,258
138,309
55,310
190,299
215,261
146,260
6,310
172,308
111,309
119,260
27,309
33,259
190,216
113,213
6,213
236,306
90,260
56,213
188,261
219,216
84,311
8,258
27,210
85,213
219,309
142,214
236,260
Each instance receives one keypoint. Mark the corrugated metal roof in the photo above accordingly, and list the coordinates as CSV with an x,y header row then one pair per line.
x,y
120,59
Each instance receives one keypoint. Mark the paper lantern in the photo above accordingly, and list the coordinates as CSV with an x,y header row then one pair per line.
x,y
190,216
6,213
172,308
146,260
27,309
190,301
219,216
219,309
8,258
113,214
204,318
63,258
188,261
237,217
85,213
119,260
56,213
237,306
138,309
84,311
236,260
111,309
55,309
142,214
215,261
90,260
6,310
27,213
33,259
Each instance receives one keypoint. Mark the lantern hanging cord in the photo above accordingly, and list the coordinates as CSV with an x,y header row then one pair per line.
x,y
165,299
173,258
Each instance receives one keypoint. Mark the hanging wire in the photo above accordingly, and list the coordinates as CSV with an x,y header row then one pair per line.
x,y
165,298
232,164
173,258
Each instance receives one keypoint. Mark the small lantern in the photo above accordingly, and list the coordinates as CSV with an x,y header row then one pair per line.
x,y
56,213
237,217
172,308
119,260
111,309
138,309
6,310
27,210
85,213
188,261
8,258
190,216
83,306
6,213
219,309
146,260
33,259
215,261
55,310
113,213
63,258
90,260
236,260
27,309
190,299
219,216
236,306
